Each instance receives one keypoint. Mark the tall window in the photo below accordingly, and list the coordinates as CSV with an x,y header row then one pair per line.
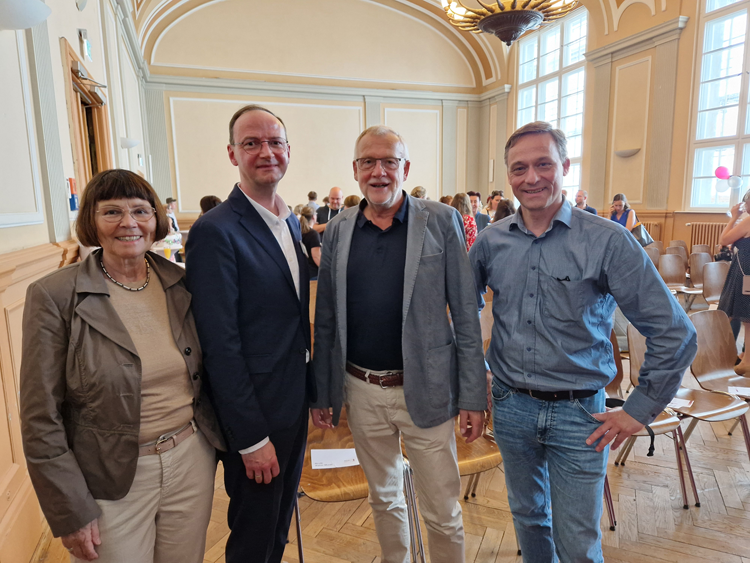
x,y
551,79
721,124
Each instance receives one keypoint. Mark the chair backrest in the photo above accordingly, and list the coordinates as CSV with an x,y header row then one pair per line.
x,y
697,261
679,242
658,244
653,253
717,350
701,248
614,387
637,347
672,269
680,251
714,276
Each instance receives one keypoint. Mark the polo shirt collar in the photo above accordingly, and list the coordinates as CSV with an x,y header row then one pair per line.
x,y
400,215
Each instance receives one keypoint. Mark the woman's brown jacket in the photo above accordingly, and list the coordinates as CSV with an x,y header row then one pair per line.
x,y
81,388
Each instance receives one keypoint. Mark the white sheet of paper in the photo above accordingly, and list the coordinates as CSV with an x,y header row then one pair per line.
x,y
744,391
679,403
329,459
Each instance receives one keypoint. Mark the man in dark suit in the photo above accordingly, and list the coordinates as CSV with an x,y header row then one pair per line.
x,y
250,287
582,197
482,219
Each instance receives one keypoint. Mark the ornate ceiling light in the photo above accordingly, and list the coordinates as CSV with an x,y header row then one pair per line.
x,y
507,19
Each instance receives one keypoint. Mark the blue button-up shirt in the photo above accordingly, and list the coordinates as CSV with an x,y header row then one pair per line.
x,y
554,296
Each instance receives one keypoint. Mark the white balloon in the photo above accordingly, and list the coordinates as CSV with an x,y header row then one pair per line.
x,y
722,185
734,181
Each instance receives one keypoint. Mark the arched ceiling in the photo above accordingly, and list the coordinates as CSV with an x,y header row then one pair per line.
x,y
407,43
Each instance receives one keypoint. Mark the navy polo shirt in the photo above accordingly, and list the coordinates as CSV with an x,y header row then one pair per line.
x,y
375,292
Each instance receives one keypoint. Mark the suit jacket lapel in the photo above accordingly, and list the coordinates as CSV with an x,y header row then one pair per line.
x,y
417,223
346,232
254,224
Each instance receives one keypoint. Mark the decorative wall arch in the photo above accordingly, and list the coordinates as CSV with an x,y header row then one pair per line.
x,y
485,59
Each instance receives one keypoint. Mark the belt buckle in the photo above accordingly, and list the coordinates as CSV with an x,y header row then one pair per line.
x,y
381,377
161,440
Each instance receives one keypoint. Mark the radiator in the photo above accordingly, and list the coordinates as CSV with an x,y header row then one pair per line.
x,y
705,233
653,228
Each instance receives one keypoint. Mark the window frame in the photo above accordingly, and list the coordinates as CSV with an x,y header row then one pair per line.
x,y
741,137
558,74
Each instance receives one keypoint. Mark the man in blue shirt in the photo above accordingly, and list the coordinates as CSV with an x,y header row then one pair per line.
x,y
482,219
557,275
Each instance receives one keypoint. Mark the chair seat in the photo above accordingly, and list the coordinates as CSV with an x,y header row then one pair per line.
x,y
332,485
667,421
684,289
710,406
481,455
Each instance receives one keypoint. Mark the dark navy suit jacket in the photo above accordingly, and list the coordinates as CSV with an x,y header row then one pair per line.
x,y
253,328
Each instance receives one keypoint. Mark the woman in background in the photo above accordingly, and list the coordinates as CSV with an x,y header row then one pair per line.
x,y
446,199
351,201
505,208
311,240
495,197
208,202
621,212
463,204
733,302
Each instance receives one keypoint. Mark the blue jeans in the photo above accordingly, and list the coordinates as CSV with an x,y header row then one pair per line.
x,y
547,462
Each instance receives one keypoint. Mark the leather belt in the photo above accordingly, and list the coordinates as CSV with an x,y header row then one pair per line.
x,y
557,395
167,441
384,379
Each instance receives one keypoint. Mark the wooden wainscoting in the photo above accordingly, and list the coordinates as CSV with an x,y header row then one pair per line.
x,y
21,520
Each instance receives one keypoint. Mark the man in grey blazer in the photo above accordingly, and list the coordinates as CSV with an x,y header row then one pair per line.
x,y
385,348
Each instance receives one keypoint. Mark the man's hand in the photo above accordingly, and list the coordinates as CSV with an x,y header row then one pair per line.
x,y
616,425
83,542
261,465
471,424
322,418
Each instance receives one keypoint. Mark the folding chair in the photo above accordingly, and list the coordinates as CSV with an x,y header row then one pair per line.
x,y
672,270
714,276
697,261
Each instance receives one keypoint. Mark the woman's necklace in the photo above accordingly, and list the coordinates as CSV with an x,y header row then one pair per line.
x,y
113,280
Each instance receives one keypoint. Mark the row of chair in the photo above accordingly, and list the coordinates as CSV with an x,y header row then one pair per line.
x,y
696,247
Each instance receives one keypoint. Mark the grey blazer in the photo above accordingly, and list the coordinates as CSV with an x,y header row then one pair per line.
x,y
444,369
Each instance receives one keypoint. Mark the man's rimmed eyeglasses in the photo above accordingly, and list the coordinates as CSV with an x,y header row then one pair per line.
x,y
390,163
116,214
253,146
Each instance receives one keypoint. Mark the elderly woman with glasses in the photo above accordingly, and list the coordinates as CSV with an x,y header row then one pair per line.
x,y
118,436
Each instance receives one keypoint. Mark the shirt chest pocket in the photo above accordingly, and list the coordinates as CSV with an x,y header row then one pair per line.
x,y
569,300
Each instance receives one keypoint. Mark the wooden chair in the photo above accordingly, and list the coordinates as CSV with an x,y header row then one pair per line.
x,y
697,261
657,244
681,243
666,422
702,248
680,251
332,485
653,253
672,270
714,276
713,366
707,406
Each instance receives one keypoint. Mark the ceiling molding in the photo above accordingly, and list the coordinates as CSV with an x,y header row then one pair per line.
x,y
647,39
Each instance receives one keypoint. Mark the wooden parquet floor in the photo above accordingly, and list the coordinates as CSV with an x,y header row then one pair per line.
x,y
652,526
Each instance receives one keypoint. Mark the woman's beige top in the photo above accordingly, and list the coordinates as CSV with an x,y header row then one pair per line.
x,y
166,392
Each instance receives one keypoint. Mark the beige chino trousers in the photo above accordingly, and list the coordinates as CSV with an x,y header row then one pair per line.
x,y
164,516
378,418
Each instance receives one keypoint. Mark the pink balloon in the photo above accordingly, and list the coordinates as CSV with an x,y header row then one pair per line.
x,y
722,173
